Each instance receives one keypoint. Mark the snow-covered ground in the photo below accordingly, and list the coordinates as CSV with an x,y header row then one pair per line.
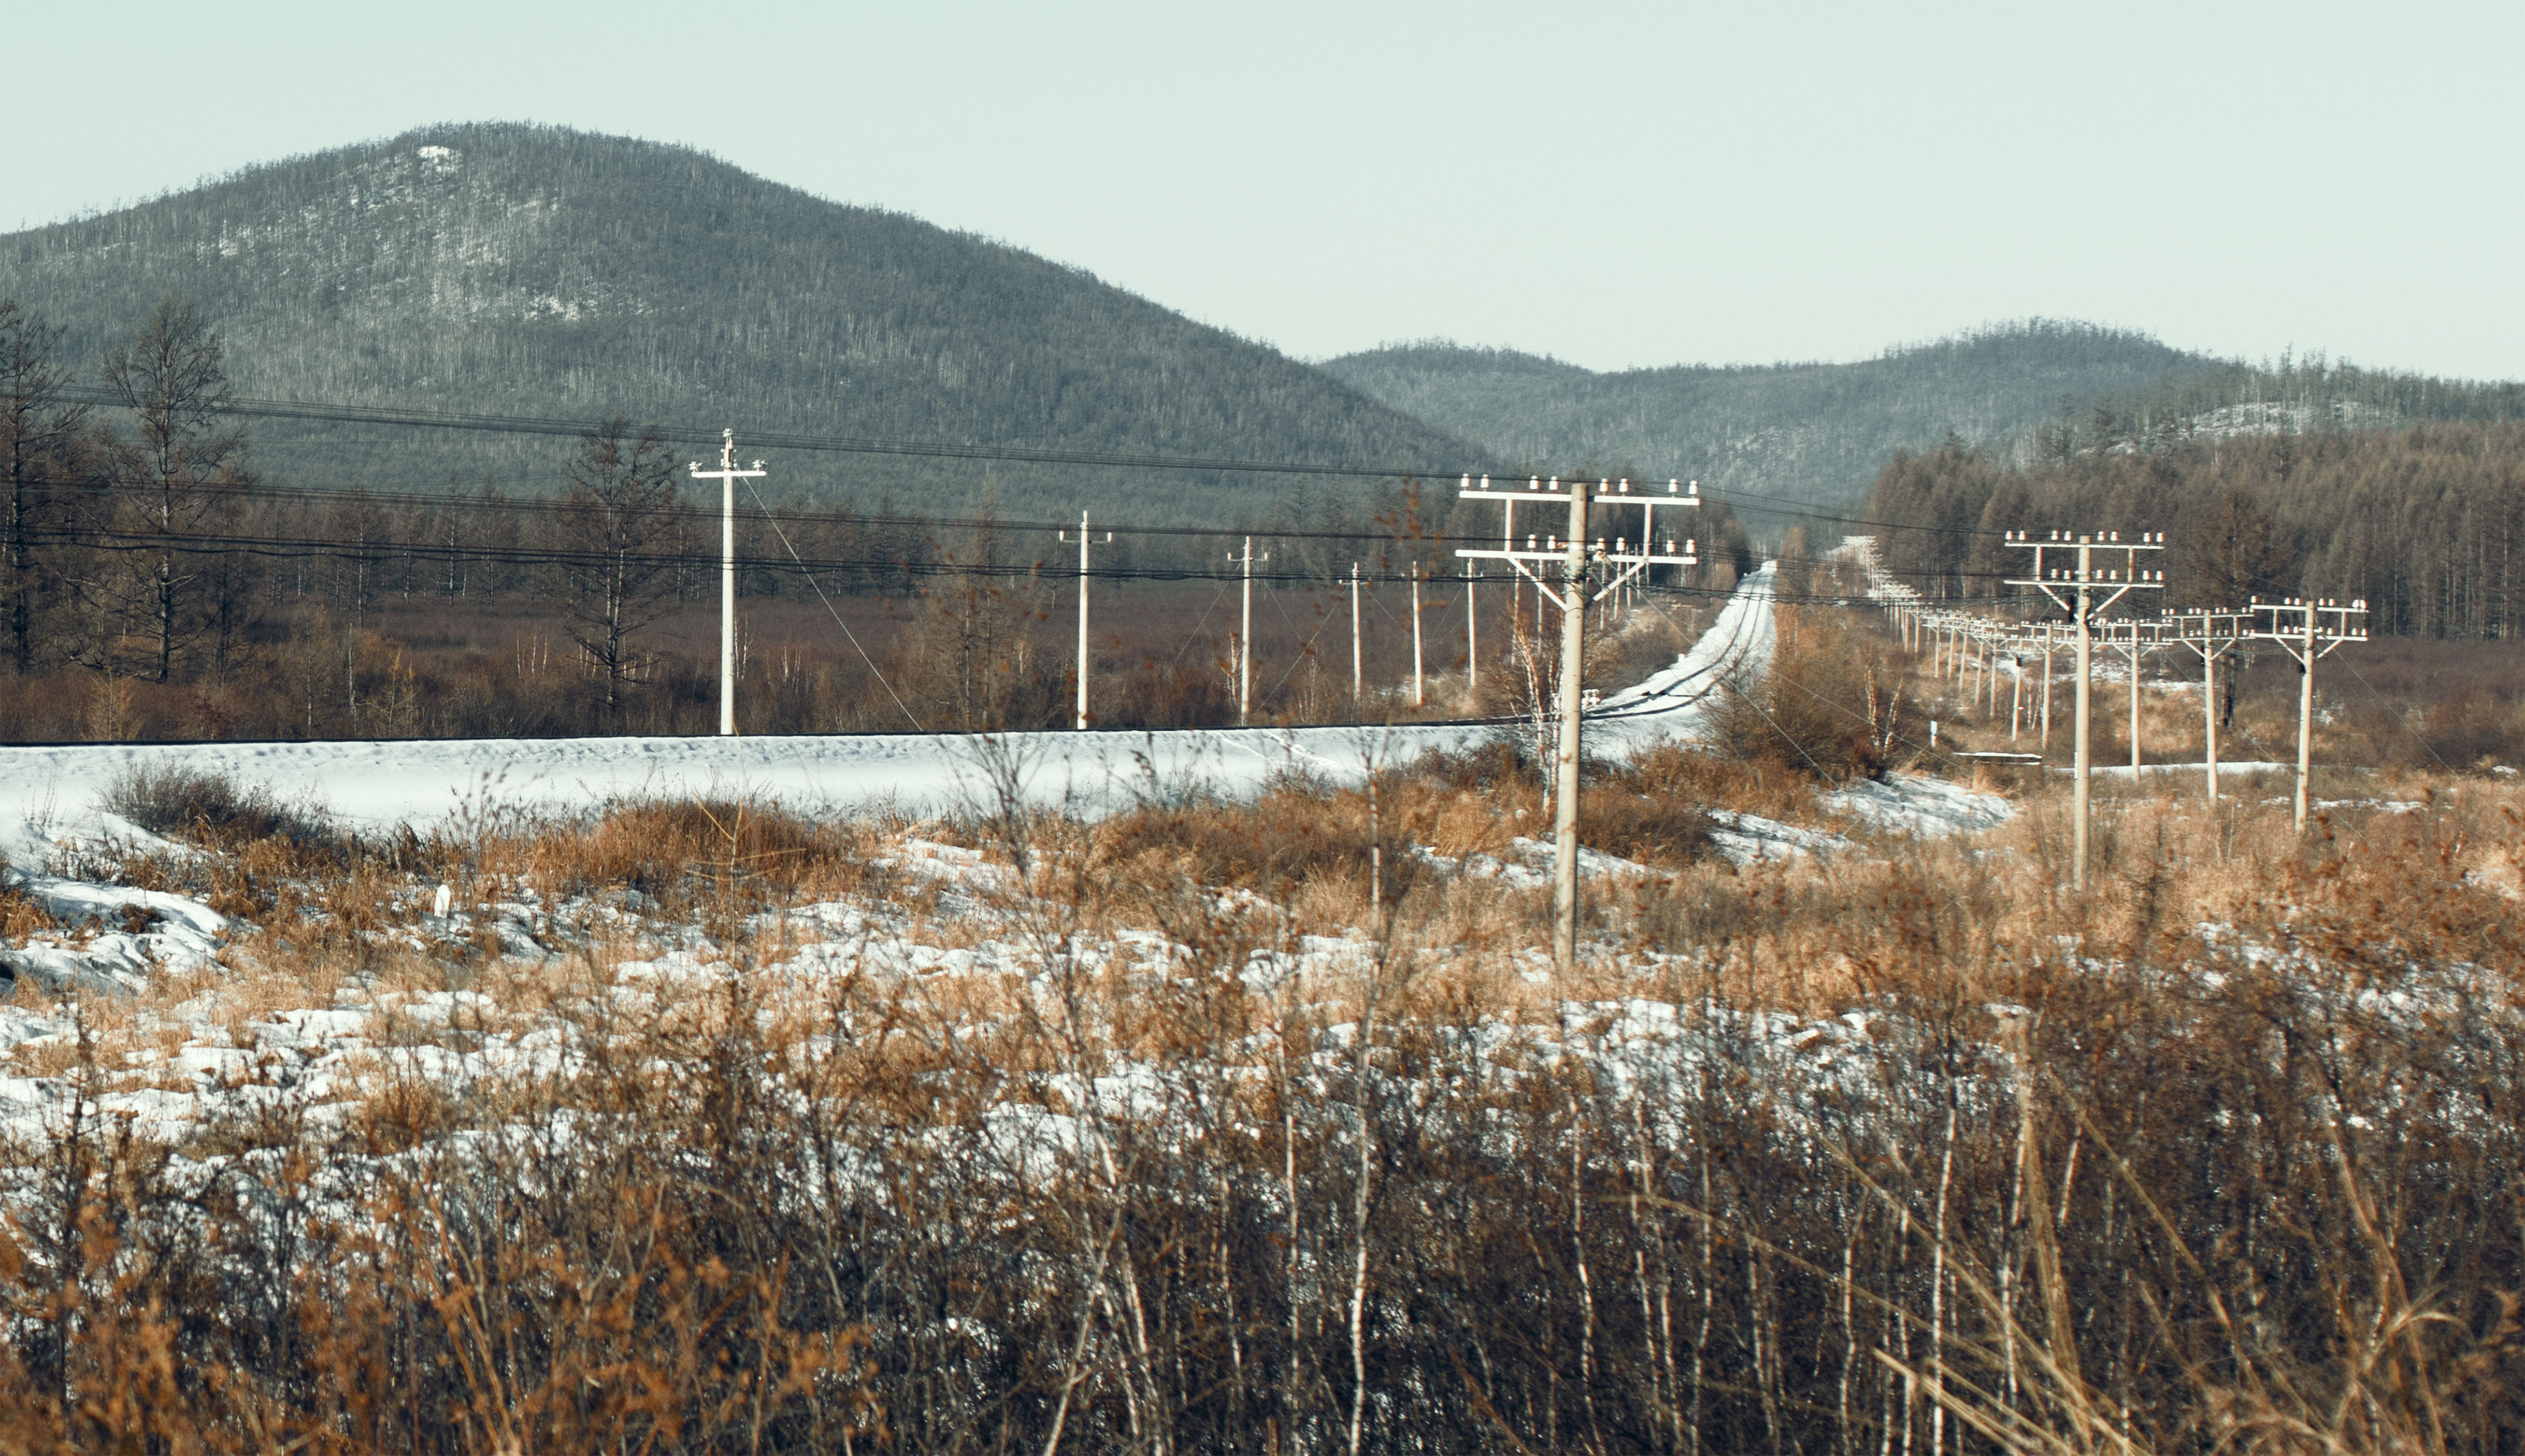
x,y
53,814
201,1058
378,784
1669,702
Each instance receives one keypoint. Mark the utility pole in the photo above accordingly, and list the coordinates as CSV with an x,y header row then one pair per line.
x,y
2210,634
2084,581
1572,598
2047,643
1472,644
1418,698
1356,683
1245,638
1082,614
2133,638
727,475
2016,692
2306,639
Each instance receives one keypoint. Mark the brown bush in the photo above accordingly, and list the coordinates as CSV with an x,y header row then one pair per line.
x,y
1828,704
21,915
174,800
1282,839
673,849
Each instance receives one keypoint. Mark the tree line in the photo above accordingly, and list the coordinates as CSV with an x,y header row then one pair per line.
x,y
151,564
2421,521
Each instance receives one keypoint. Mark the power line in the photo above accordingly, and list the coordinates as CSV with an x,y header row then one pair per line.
x,y
296,548
1749,502
523,424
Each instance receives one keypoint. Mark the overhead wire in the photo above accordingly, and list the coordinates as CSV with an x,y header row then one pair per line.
x,y
848,635
294,546
1753,502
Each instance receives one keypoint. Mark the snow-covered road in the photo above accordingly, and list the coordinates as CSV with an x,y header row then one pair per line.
x,y
383,783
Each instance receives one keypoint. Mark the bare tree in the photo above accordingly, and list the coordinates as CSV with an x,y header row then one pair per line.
x,y
618,527
40,435
183,463
2235,554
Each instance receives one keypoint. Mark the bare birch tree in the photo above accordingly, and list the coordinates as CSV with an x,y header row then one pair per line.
x,y
618,530
39,434
183,461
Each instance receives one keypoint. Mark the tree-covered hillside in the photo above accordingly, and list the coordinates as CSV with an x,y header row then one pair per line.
x,y
1815,432
2422,524
537,270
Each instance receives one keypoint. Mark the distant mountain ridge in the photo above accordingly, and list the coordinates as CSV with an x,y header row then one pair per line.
x,y
537,271
1815,432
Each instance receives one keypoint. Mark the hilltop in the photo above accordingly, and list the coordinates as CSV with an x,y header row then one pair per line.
x,y
1820,432
538,271
1814,431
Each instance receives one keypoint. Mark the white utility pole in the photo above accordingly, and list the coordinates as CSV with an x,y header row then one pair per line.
x,y
2209,634
1418,698
1356,683
1082,614
1245,638
2083,581
1472,644
2134,637
727,475
2047,687
2307,640
1572,598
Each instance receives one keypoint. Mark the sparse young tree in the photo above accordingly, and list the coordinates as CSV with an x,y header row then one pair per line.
x,y
2234,555
39,436
184,461
618,525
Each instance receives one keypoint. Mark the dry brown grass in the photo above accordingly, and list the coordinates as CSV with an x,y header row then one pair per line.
x,y
22,917
837,1137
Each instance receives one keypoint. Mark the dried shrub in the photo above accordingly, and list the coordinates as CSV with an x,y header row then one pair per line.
x,y
1827,705
21,916
673,849
1282,839
171,799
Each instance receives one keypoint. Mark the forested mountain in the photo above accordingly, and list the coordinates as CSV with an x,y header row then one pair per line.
x,y
1819,432
537,270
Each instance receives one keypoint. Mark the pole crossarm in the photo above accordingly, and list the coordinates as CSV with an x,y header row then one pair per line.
x,y
2310,640
1618,561
2206,632
2084,579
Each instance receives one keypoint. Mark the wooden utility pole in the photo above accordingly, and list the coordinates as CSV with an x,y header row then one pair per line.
x,y
1572,596
727,475
2082,582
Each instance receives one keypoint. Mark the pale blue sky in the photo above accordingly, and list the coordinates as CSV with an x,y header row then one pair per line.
x,y
1616,184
